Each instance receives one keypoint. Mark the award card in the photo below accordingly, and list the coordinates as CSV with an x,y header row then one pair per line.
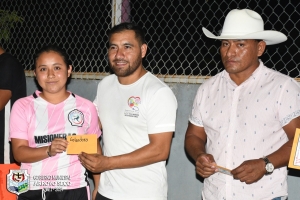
x,y
82,143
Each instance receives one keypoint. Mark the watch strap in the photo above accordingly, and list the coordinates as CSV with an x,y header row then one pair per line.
x,y
266,160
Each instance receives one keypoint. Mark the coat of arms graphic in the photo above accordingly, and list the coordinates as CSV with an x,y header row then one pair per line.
x,y
17,181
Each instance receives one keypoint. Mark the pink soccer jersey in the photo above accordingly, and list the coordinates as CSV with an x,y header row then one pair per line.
x,y
39,122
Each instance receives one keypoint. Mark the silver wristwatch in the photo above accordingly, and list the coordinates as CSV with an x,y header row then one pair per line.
x,y
269,166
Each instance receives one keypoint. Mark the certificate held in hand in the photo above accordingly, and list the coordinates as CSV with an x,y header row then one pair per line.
x,y
82,143
294,161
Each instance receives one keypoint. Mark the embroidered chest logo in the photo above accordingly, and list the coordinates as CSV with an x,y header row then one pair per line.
x,y
76,118
133,103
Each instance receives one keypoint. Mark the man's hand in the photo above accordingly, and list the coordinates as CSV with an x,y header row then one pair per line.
x,y
205,165
250,171
95,163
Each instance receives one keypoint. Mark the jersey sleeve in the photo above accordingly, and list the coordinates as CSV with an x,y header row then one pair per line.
x,y
162,111
288,104
94,124
18,125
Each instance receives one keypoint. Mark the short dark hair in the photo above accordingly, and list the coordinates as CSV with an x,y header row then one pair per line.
x,y
55,49
139,33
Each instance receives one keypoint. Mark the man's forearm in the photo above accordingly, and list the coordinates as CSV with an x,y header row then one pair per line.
x,y
194,146
139,158
5,95
280,158
146,155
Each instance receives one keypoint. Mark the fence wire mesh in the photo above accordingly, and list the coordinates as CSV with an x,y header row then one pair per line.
x,y
177,46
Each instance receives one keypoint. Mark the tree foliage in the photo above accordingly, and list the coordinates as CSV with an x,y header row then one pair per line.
x,y
7,21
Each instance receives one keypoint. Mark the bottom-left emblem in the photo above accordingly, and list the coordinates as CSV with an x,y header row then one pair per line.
x,y
17,181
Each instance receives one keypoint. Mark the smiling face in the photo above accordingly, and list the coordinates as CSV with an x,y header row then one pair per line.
x,y
52,73
240,57
125,53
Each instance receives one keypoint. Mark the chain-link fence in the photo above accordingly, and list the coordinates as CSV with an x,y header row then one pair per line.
x,y
178,50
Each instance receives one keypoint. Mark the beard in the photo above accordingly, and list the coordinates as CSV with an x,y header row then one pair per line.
x,y
127,71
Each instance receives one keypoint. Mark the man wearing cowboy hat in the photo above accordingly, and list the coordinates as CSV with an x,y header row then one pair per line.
x,y
244,118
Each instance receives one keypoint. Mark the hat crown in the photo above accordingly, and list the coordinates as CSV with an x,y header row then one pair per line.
x,y
242,22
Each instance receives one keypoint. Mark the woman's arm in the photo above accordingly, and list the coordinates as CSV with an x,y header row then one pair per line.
x,y
25,154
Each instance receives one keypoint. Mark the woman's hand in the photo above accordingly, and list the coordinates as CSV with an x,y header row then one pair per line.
x,y
58,145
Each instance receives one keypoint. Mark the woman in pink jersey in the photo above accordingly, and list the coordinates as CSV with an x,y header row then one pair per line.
x,y
39,125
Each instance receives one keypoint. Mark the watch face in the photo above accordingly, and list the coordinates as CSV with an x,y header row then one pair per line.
x,y
269,167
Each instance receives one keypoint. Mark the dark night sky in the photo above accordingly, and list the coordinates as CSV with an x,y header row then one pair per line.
x,y
173,31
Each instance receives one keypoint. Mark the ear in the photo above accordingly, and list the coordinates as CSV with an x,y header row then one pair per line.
x,y
261,47
144,50
34,73
69,70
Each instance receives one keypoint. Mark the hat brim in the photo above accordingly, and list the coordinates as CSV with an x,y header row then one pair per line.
x,y
270,37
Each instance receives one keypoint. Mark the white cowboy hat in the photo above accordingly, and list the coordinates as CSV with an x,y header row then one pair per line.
x,y
246,24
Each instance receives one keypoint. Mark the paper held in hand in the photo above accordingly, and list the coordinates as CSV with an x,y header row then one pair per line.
x,y
224,170
294,161
82,143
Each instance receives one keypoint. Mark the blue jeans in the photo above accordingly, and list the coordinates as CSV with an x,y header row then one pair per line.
x,y
277,198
